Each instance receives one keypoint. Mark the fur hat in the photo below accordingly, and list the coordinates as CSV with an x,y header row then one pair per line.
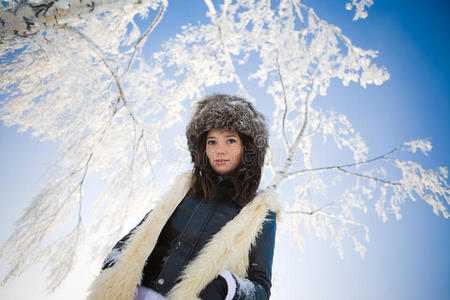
x,y
230,113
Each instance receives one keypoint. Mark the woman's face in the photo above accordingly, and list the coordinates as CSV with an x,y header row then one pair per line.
x,y
224,150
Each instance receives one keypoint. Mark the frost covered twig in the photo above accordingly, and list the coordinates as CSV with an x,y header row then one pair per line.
x,y
336,167
313,211
280,176
283,120
360,8
383,181
226,52
137,47
103,58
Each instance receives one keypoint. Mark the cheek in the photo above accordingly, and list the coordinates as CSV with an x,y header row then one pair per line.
x,y
208,153
237,153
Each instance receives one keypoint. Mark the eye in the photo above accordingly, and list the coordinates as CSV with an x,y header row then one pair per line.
x,y
211,142
231,141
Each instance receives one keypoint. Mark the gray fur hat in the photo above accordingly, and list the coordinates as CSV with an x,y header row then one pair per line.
x,y
230,113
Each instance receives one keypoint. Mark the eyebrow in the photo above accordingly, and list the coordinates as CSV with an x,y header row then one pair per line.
x,y
213,136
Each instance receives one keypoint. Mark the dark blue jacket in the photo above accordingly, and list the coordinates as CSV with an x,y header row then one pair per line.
x,y
190,227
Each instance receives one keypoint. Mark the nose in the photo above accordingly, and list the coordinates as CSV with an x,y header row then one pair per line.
x,y
220,149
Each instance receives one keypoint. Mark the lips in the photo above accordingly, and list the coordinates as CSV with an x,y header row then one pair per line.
x,y
221,161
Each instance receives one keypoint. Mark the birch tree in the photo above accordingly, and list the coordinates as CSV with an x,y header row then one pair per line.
x,y
74,72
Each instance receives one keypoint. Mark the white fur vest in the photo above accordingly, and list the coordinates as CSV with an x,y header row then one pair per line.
x,y
228,249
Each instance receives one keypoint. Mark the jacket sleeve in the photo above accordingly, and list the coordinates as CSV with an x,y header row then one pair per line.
x,y
116,251
259,276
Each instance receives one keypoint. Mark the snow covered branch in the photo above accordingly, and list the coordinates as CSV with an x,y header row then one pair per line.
x,y
360,8
24,18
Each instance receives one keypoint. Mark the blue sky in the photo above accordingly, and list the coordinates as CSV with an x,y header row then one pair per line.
x,y
406,259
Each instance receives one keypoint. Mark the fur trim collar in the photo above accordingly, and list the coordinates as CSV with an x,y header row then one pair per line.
x,y
227,250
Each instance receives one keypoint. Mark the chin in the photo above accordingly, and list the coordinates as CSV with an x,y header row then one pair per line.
x,y
224,172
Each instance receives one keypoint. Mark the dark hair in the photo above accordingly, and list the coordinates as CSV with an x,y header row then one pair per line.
x,y
245,178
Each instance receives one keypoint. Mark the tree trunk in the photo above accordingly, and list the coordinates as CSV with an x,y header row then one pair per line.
x,y
26,18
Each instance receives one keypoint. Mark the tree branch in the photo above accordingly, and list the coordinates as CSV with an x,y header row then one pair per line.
x,y
115,77
315,211
368,177
143,38
337,31
343,220
229,60
336,167
103,58
283,121
280,176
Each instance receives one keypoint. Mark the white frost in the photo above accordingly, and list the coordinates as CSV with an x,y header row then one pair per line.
x,y
80,79
360,8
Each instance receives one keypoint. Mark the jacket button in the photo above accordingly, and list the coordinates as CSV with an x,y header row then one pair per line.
x,y
160,281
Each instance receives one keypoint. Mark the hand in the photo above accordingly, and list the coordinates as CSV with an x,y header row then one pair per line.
x,y
215,290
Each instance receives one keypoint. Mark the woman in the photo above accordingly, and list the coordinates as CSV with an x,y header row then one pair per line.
x,y
212,235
